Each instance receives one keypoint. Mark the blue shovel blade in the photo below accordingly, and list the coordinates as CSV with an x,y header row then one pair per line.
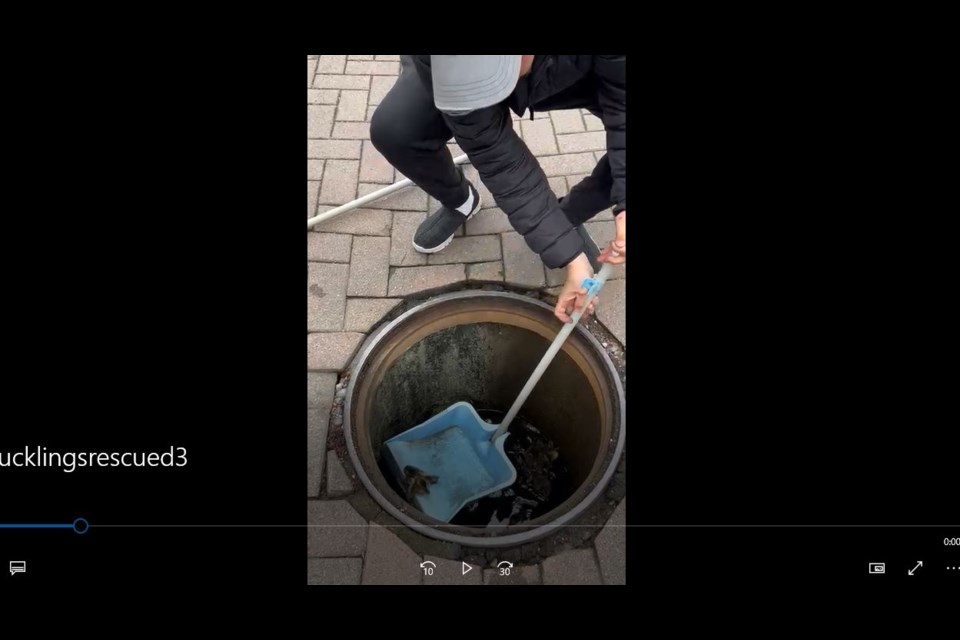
x,y
454,446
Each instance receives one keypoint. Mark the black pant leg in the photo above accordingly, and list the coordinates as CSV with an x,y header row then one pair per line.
x,y
410,132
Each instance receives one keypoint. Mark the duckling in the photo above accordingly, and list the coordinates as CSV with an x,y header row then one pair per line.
x,y
417,481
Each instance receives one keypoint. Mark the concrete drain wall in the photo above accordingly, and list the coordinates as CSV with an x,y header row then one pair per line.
x,y
480,347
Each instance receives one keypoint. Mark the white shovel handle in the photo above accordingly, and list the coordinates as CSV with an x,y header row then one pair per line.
x,y
593,286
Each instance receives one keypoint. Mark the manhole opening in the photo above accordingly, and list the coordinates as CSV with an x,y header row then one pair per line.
x,y
481,348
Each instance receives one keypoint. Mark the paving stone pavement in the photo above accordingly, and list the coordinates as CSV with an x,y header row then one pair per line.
x,y
319,400
335,530
334,571
572,567
338,482
388,560
361,264
611,545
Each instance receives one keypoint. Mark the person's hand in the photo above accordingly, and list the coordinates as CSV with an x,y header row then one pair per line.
x,y
573,294
616,251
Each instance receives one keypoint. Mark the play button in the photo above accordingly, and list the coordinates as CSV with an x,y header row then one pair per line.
x,y
466,568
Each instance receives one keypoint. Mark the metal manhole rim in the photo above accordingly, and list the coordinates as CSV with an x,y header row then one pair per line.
x,y
494,542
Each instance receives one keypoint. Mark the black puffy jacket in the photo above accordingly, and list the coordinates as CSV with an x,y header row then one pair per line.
x,y
508,168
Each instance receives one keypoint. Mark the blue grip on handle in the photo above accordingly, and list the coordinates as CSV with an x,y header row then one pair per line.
x,y
592,285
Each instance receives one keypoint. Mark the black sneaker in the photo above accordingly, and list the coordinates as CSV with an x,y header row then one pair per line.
x,y
437,230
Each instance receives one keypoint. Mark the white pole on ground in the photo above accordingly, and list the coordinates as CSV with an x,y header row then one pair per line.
x,y
370,197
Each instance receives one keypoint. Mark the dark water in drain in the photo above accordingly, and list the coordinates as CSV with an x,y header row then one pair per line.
x,y
543,481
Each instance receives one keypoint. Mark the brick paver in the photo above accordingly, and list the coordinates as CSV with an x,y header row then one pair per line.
x,y
313,191
317,424
339,149
485,271
334,571
556,277
320,388
339,182
521,265
335,529
572,567
379,68
369,266
328,247
488,221
612,309
593,122
338,482
574,142
374,167
322,96
568,163
333,81
332,64
379,87
331,351
602,232
351,130
388,560
558,184
538,134
567,121
326,295
363,313
319,120
575,178
352,106
405,281
364,222
611,545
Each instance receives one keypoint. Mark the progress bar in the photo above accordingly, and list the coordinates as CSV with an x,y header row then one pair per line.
x,y
79,525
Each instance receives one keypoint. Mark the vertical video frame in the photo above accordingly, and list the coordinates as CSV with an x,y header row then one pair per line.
x,y
430,312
